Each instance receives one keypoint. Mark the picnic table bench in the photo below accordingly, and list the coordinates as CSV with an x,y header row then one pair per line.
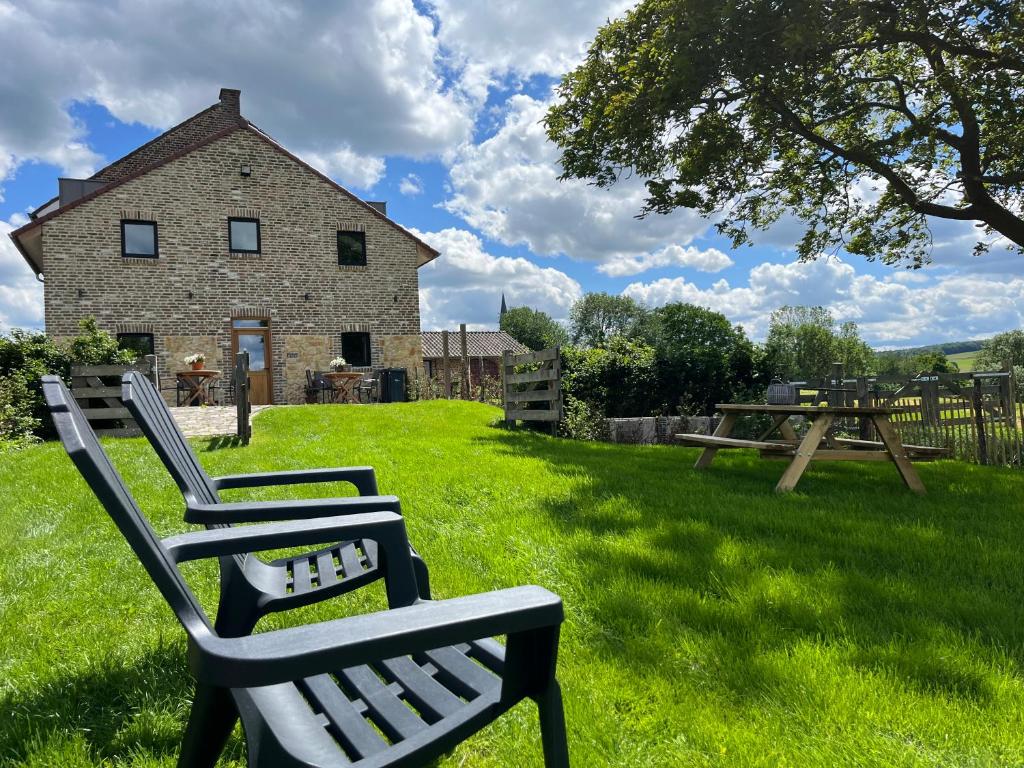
x,y
817,444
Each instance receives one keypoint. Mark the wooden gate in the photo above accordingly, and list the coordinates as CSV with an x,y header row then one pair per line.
x,y
97,388
532,386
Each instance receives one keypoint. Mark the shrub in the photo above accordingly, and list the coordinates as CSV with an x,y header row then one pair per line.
x,y
18,424
618,379
94,346
26,356
582,420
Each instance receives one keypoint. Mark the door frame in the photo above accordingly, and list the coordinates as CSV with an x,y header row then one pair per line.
x,y
268,349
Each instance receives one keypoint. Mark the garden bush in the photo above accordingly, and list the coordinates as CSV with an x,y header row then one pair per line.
x,y
26,356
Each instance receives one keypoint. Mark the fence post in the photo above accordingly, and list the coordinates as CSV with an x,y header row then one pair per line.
x,y
464,385
446,371
979,423
154,371
506,385
242,410
864,401
836,398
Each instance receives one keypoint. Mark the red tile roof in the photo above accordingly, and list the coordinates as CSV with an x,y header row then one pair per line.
x,y
478,344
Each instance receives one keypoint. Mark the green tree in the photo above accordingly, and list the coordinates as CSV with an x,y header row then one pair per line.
x,y
702,358
597,317
803,343
533,328
1001,348
862,118
932,361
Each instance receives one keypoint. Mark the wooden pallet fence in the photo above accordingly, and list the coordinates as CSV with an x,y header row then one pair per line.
x,y
532,386
97,389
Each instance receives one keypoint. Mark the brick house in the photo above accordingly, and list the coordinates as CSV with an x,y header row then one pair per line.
x,y
483,348
213,238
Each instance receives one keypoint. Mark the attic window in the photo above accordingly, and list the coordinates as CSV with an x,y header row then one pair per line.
x,y
352,248
138,239
244,235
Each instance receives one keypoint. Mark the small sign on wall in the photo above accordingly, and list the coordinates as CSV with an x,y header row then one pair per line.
x,y
293,355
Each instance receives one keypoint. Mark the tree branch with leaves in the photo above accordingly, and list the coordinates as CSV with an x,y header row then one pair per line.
x,y
864,119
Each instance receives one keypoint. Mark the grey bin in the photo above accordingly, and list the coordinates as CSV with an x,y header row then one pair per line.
x,y
392,385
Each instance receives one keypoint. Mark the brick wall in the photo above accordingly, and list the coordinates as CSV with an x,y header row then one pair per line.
x,y
196,286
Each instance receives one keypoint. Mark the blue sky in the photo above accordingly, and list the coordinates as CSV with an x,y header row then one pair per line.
x,y
435,108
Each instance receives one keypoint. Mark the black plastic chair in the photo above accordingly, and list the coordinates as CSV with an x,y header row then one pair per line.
x,y
318,389
251,587
394,688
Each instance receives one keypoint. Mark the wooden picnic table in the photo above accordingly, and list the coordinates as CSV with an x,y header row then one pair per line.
x,y
817,444
343,383
198,382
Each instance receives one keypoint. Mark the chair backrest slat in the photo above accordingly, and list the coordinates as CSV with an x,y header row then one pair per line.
x,y
84,448
157,423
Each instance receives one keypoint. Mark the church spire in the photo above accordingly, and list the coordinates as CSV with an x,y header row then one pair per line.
x,y
504,308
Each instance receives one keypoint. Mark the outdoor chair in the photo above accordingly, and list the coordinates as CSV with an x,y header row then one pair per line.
x,y
394,688
251,587
368,388
318,389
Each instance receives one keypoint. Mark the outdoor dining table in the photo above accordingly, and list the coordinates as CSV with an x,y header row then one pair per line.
x,y
343,383
816,445
198,382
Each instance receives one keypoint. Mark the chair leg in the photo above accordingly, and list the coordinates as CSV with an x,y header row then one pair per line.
x,y
237,610
419,568
210,723
552,727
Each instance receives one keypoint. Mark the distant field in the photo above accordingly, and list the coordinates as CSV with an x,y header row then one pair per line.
x,y
964,360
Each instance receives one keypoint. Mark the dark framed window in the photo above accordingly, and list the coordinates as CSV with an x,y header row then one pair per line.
x,y
139,239
352,249
355,348
244,235
140,343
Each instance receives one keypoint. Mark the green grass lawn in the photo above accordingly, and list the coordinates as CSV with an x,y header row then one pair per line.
x,y
709,621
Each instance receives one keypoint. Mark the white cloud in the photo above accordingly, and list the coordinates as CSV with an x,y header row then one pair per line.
x,y
411,185
489,41
348,167
21,295
343,84
710,260
894,310
465,284
508,187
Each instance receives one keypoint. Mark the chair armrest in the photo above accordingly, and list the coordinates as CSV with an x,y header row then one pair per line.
x,y
215,542
386,528
363,478
293,509
289,654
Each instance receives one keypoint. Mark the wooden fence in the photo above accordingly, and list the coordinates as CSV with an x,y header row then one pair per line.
x,y
97,388
532,386
976,416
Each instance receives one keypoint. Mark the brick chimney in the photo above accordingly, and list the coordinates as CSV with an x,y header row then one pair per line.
x,y
231,100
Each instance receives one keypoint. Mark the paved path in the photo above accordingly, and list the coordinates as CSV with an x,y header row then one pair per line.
x,y
209,420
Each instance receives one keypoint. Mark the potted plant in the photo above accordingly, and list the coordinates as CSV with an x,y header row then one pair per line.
x,y
196,361
340,364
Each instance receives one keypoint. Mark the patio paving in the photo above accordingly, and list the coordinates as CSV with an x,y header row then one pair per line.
x,y
209,420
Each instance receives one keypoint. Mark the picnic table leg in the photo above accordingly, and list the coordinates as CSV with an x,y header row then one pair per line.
x,y
781,423
804,453
898,454
724,428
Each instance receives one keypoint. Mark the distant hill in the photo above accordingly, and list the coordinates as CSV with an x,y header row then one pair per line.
x,y
946,348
